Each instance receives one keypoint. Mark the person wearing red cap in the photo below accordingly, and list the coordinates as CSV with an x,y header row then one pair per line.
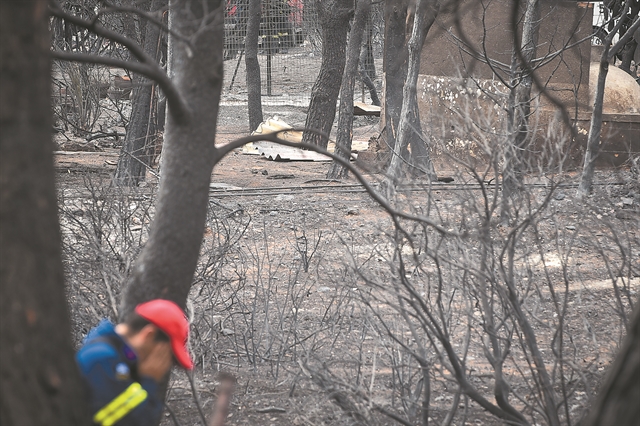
x,y
123,364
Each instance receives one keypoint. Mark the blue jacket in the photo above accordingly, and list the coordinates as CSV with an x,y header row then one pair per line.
x,y
117,395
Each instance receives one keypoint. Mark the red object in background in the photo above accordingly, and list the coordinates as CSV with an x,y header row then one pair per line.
x,y
231,8
297,10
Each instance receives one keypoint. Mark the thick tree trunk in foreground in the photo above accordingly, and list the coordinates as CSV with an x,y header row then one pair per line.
x,y
617,400
409,123
345,116
139,144
520,107
334,18
39,380
166,265
254,83
395,65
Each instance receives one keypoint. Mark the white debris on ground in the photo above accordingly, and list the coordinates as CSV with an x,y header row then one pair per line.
x,y
274,151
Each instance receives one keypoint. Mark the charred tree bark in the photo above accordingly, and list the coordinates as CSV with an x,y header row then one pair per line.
x,y
593,140
334,18
409,130
139,146
40,382
395,65
629,50
254,83
166,265
617,400
345,116
373,92
595,127
519,108
628,55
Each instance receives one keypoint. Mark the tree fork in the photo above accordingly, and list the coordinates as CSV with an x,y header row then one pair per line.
x,y
167,263
345,117
408,130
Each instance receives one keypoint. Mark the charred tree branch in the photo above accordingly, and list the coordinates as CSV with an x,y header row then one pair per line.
x,y
151,71
147,67
153,17
273,137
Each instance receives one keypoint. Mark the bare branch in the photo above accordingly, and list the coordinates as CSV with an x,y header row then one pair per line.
x,y
150,16
149,67
151,71
98,29
273,137
623,40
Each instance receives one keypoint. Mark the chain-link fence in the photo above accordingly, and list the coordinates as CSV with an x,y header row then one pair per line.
x,y
91,98
289,50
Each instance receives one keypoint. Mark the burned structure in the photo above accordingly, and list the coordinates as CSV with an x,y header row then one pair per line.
x,y
467,67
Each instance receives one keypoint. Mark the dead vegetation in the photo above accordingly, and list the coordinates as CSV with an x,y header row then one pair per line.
x,y
330,311
333,309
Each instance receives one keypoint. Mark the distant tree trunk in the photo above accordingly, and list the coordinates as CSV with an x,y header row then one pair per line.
x,y
167,263
593,140
334,18
139,146
629,50
345,116
254,82
395,65
373,92
367,61
40,382
595,128
409,124
367,66
520,106
627,56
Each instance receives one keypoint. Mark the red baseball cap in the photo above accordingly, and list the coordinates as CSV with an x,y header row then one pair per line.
x,y
169,318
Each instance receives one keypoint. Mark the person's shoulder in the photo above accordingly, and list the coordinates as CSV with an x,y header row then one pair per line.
x,y
95,352
97,346
104,328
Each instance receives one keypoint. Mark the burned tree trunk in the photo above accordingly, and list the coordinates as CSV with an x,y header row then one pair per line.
x,y
334,18
520,106
593,140
40,381
395,65
345,117
138,149
628,54
409,124
617,400
166,265
254,89
367,67
631,48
